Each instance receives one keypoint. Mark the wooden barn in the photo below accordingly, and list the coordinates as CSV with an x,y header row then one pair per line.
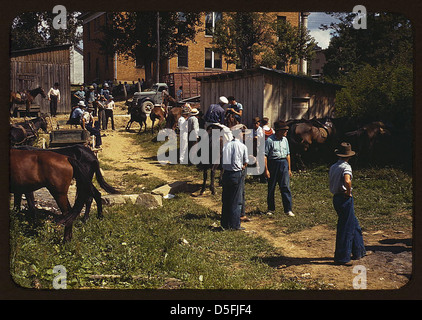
x,y
270,93
43,67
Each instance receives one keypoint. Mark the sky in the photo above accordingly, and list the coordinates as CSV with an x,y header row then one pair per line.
x,y
315,19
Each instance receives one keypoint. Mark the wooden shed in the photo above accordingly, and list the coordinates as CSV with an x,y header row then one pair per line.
x,y
43,67
265,92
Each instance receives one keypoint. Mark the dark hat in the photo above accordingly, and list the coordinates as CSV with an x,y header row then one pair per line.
x,y
280,125
345,150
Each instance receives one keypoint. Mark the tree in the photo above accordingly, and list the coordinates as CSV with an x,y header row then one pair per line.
x,y
35,29
375,66
290,44
388,38
242,36
134,34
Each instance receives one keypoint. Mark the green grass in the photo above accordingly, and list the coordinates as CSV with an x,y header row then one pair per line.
x,y
137,248
143,249
382,197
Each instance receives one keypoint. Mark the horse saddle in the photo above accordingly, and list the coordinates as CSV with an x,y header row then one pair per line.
x,y
21,95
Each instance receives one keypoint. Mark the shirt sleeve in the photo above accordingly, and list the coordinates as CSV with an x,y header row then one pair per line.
x,y
245,155
268,147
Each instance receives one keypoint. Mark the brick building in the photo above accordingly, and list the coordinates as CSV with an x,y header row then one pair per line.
x,y
193,57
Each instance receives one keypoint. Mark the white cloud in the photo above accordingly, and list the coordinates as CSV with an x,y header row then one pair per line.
x,y
322,37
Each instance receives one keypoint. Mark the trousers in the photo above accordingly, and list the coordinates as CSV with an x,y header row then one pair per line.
x,y
232,199
279,174
349,240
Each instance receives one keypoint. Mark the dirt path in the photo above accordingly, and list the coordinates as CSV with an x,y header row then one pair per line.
x,y
305,256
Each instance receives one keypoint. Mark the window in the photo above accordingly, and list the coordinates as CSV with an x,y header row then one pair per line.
x,y
281,19
211,18
182,56
213,59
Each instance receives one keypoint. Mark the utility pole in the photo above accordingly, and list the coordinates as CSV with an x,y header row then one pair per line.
x,y
158,48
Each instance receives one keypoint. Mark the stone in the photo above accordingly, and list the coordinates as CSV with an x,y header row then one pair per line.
x,y
171,188
113,199
149,200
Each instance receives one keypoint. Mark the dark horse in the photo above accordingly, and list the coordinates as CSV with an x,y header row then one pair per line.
x,y
136,115
213,165
90,164
32,170
22,132
25,97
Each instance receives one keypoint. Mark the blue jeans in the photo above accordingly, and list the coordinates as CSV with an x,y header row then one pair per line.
x,y
232,199
279,174
349,240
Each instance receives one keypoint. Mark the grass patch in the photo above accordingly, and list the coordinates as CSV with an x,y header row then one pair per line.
x,y
176,246
136,248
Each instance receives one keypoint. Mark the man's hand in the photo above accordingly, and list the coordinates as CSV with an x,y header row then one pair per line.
x,y
267,173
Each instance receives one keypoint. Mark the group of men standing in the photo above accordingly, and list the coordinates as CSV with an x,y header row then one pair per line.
x,y
93,104
349,241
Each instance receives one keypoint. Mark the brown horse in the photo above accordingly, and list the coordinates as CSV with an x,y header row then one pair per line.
x,y
308,137
32,170
157,113
25,97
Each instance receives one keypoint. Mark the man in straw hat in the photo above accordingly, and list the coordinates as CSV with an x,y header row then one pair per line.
x,y
349,239
278,167
182,123
193,129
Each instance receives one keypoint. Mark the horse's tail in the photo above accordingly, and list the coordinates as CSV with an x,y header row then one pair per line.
x,y
84,189
100,178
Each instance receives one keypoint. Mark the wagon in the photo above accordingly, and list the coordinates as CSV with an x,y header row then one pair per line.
x,y
61,138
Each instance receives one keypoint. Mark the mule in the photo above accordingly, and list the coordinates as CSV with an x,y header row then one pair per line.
x,y
31,170
369,142
311,138
22,132
25,97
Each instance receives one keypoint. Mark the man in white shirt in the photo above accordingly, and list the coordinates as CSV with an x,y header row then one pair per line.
x,y
54,98
349,240
109,107
235,160
182,123
193,128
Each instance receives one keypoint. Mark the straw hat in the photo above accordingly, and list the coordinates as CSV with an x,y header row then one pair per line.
x,y
223,99
194,112
345,150
81,104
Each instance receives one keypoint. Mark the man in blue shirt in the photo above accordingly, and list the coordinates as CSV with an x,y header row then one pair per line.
x,y
349,239
76,115
216,113
235,108
235,159
278,168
